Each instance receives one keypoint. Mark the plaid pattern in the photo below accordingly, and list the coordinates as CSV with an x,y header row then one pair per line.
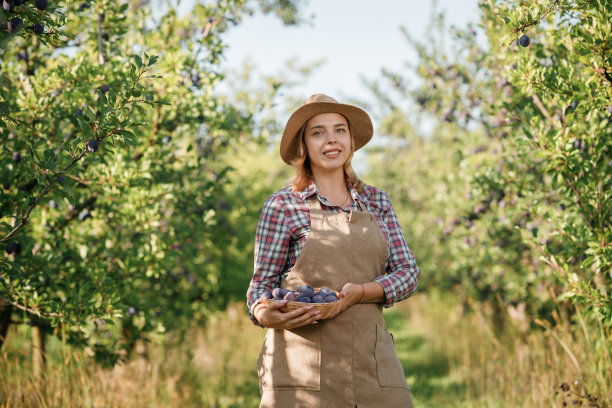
x,y
284,225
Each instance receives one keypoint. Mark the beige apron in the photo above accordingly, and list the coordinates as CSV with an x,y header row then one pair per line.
x,y
346,361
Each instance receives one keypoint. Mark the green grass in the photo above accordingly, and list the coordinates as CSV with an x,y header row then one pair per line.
x,y
450,358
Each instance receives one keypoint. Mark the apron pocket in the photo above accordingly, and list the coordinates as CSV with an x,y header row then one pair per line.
x,y
388,367
291,359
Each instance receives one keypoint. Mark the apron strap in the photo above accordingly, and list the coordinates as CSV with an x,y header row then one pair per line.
x,y
362,206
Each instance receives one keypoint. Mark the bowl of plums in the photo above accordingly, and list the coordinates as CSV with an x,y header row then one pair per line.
x,y
324,300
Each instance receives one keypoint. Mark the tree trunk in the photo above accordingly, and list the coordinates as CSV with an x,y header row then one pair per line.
x,y
38,351
5,321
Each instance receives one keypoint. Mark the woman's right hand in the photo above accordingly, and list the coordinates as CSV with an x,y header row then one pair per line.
x,y
271,316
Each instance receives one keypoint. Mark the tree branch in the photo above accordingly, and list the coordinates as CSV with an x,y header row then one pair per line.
x,y
524,26
33,311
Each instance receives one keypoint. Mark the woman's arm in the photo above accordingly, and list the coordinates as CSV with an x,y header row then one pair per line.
x,y
401,273
272,244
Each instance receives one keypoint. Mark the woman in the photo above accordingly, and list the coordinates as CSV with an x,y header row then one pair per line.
x,y
329,229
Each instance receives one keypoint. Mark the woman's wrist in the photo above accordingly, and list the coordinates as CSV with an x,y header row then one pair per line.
x,y
371,292
256,311
363,292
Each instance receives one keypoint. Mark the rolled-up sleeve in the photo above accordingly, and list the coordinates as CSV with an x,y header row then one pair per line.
x,y
272,240
401,273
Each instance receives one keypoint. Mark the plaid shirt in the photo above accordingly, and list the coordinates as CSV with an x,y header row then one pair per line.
x,y
284,225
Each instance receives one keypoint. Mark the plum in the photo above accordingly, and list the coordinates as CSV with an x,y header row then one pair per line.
x,y
15,24
524,40
307,293
291,296
304,299
318,299
326,291
330,298
303,288
92,145
279,293
13,248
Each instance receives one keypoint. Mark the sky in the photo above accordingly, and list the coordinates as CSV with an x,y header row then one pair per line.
x,y
355,38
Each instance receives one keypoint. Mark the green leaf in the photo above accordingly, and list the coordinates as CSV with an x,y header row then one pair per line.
x,y
138,61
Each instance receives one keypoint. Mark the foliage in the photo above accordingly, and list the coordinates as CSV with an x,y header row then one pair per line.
x,y
112,207
511,189
505,191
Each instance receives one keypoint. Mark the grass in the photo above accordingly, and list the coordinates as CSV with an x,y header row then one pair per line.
x,y
450,358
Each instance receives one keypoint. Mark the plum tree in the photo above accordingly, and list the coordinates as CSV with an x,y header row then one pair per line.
x,y
153,243
519,143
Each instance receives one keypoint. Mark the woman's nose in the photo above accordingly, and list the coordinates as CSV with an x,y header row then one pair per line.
x,y
331,136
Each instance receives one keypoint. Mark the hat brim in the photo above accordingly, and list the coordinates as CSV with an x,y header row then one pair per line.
x,y
359,120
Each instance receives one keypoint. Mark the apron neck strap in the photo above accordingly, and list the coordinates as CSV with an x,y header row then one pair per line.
x,y
362,206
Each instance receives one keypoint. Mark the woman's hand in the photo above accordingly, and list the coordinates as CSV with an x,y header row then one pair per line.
x,y
273,317
350,294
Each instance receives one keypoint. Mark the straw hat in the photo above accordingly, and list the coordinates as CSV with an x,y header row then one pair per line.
x,y
360,123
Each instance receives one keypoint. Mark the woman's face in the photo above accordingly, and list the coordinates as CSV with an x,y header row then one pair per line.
x,y
328,142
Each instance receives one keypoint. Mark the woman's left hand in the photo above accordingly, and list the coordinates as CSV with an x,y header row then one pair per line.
x,y
350,294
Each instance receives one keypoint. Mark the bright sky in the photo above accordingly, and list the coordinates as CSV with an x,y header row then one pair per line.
x,y
357,38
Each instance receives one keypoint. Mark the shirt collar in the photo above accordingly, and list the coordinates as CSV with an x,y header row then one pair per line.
x,y
312,189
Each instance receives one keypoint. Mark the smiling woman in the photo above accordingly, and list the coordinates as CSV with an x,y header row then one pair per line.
x,y
329,229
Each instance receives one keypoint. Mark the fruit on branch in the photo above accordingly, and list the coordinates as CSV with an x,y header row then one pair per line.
x,y
579,144
13,248
38,28
8,5
85,214
524,40
92,145
15,24
42,4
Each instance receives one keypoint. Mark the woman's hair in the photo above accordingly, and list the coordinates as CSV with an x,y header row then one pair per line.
x,y
303,173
